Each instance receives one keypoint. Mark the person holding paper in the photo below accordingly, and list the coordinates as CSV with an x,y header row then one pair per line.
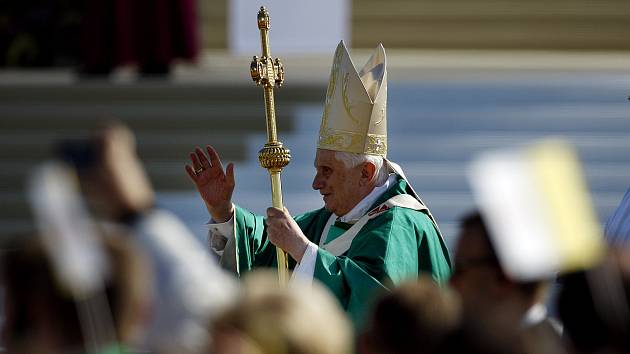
x,y
373,231
113,178
488,293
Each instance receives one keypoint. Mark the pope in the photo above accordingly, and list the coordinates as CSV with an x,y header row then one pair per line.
x,y
372,233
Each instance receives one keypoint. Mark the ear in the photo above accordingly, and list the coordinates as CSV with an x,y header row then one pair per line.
x,y
368,173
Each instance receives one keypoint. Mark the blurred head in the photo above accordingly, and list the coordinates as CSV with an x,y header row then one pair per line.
x,y
110,172
479,278
344,179
594,306
41,314
270,319
477,275
418,314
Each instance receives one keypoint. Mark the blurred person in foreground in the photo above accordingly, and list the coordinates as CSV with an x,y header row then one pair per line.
x,y
617,230
418,316
43,316
422,317
491,296
373,230
189,286
270,319
594,306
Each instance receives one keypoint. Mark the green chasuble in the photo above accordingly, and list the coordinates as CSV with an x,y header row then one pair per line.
x,y
392,247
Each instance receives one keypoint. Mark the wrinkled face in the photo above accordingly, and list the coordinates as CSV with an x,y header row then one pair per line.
x,y
340,186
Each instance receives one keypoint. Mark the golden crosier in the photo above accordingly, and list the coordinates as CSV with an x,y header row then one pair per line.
x,y
269,73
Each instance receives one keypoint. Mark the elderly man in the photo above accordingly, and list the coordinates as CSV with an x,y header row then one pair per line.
x,y
373,232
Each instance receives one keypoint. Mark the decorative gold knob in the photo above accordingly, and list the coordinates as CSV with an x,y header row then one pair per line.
x,y
274,156
256,70
263,18
278,69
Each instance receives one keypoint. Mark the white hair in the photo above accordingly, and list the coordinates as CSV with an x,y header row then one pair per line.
x,y
351,160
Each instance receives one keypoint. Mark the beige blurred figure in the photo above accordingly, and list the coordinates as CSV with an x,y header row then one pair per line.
x,y
189,287
269,319
117,185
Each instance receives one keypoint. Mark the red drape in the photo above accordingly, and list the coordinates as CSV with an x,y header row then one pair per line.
x,y
150,33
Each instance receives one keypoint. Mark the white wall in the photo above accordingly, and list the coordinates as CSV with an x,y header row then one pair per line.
x,y
297,26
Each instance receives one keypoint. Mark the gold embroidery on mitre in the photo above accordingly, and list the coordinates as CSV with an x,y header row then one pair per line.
x,y
382,116
332,84
376,145
339,140
346,100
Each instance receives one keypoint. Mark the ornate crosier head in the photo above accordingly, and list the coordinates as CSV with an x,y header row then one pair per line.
x,y
355,112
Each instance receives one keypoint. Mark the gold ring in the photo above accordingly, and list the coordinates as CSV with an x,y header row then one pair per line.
x,y
199,170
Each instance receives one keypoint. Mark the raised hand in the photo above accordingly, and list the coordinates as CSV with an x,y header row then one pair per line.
x,y
215,185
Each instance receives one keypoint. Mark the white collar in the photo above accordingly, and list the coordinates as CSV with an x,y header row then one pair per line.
x,y
364,205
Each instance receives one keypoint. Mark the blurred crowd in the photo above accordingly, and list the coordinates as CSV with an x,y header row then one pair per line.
x,y
108,271
159,290
97,37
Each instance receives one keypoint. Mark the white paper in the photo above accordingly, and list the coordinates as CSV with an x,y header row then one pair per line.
x,y
537,208
509,201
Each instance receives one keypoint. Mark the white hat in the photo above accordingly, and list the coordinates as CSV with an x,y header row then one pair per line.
x,y
355,113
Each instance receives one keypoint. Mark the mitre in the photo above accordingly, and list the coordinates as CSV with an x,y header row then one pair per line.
x,y
355,114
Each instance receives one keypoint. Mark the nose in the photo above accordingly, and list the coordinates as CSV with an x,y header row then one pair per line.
x,y
318,182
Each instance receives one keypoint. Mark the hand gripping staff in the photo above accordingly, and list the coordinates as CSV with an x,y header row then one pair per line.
x,y
269,73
